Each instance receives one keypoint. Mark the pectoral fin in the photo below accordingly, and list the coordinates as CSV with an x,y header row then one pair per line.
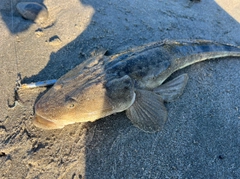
x,y
148,111
172,89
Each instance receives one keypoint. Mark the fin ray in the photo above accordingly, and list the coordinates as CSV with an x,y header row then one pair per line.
x,y
172,89
148,111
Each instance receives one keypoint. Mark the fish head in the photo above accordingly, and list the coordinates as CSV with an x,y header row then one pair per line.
x,y
81,100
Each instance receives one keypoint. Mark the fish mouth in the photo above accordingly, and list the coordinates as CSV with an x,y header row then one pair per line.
x,y
44,123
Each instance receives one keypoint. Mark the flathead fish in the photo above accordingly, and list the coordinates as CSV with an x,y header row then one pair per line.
x,y
131,81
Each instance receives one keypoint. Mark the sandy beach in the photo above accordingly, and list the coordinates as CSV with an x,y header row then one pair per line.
x,y
201,138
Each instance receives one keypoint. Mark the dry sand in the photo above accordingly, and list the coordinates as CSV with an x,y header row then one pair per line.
x,y
201,138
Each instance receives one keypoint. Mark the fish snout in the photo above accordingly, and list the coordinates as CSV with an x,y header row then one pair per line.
x,y
40,120
43,123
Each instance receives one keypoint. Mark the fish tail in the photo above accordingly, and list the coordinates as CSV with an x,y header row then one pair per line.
x,y
191,59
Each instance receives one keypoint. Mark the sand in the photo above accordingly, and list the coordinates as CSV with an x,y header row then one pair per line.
x,y
201,138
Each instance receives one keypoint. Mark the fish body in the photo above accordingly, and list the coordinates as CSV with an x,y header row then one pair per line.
x,y
131,81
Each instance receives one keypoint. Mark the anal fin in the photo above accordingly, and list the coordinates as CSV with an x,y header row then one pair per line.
x,y
172,89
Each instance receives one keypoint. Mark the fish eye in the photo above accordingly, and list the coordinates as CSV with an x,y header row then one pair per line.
x,y
70,103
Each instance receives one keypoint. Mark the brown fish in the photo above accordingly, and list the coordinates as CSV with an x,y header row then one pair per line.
x,y
131,81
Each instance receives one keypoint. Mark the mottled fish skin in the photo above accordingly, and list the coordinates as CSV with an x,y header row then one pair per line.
x,y
152,64
131,80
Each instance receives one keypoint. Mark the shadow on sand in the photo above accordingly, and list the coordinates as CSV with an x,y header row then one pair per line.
x,y
117,149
